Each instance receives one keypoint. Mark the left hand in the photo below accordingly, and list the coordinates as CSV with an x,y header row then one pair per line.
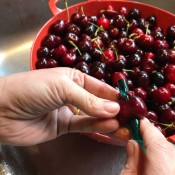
x,y
37,106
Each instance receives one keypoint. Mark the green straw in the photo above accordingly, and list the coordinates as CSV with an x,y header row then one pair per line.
x,y
134,123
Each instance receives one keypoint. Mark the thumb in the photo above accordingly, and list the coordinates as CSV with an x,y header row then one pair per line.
x,y
133,158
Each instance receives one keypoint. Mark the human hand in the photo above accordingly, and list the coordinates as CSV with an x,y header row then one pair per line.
x,y
159,157
38,106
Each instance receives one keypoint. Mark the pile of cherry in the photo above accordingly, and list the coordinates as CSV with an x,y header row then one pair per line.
x,y
120,44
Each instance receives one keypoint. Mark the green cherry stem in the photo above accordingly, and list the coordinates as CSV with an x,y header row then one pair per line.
x,y
147,30
68,15
73,44
82,10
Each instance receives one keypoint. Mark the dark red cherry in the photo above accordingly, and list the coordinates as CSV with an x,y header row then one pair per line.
x,y
104,36
85,57
83,67
97,72
149,55
145,41
152,21
123,11
117,76
97,43
85,37
59,51
75,18
142,24
134,107
120,21
134,14
160,44
171,32
152,116
136,33
58,28
92,19
51,41
171,88
133,24
168,117
90,29
140,92
158,36
171,54
113,32
85,46
73,28
95,53
119,63
162,56
43,52
142,79
69,59
107,56
52,63
71,37
148,65
41,63
170,73
134,60
83,21
157,78
128,47
103,22
161,95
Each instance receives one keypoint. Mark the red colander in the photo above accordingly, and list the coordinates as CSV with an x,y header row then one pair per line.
x,y
93,7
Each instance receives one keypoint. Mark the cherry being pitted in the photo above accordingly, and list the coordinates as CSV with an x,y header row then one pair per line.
x,y
119,43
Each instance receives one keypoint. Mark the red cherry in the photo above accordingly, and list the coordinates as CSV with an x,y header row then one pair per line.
x,y
107,56
140,92
145,41
59,51
161,95
152,116
171,88
96,43
134,107
160,44
104,22
69,59
52,63
149,55
117,76
138,32
148,65
123,11
171,54
168,117
170,73
41,63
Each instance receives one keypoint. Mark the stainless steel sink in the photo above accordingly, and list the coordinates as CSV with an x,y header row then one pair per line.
x,y
70,154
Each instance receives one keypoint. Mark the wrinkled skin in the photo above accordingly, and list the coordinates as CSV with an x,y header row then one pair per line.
x,y
40,105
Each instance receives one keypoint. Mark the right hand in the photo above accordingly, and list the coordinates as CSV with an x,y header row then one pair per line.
x,y
159,157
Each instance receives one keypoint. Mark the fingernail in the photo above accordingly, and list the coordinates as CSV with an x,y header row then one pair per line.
x,y
146,120
112,107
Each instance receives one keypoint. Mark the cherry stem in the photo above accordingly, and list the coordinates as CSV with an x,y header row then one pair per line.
x,y
127,29
68,15
73,44
96,26
101,50
128,70
133,34
82,10
102,11
116,54
163,124
147,29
